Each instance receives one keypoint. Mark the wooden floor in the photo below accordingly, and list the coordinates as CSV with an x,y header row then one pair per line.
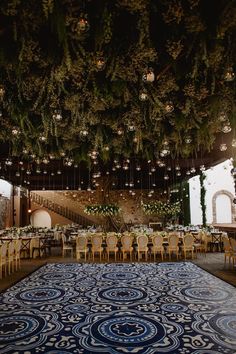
x,y
212,262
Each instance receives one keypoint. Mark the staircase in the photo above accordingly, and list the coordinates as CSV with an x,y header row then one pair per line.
x,y
59,209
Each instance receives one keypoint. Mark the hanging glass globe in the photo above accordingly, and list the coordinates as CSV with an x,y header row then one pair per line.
x,y
45,160
15,131
149,75
42,137
28,172
138,168
178,173
202,168
177,167
17,174
120,131
168,168
38,170
222,117
57,115
188,172
166,177
226,128
100,64
193,170
8,162
62,153
223,147
84,132
143,96
153,169
2,91
25,151
83,25
229,74
131,128
188,139
169,107
233,144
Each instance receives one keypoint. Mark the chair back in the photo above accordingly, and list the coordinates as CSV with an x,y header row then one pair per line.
x,y
126,241
81,242
157,241
233,244
3,251
11,249
188,240
96,241
111,241
18,246
173,240
142,241
226,243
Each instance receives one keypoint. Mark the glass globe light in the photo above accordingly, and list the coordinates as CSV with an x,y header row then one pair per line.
x,y
226,128
143,96
83,25
233,144
222,117
57,116
223,147
149,75
229,74
169,107
15,131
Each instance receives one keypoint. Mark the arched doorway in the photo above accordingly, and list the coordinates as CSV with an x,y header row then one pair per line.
x,y
41,218
223,207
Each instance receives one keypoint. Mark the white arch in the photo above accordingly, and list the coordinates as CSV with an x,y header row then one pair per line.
x,y
41,218
223,207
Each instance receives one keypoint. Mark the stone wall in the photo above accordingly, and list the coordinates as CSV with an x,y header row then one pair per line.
x,y
130,204
4,212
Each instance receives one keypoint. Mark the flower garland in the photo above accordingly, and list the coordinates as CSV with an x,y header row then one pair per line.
x,y
162,209
102,209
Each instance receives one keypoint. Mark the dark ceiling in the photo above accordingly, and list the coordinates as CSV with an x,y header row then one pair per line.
x,y
133,89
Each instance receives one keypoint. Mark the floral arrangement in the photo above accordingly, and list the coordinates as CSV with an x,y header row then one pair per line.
x,y
102,209
162,209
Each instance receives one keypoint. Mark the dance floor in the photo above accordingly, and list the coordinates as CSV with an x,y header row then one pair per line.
x,y
119,308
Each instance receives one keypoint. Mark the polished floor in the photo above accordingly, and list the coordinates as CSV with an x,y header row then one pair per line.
x,y
212,262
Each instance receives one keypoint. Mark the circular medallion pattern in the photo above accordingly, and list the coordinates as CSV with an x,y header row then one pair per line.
x,y
58,276
184,275
18,327
174,307
206,293
224,324
76,308
40,294
122,294
128,331
122,275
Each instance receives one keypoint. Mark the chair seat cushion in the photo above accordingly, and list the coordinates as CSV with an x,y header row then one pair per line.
x,y
112,249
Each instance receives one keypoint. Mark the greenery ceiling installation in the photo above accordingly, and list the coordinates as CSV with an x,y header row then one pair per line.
x,y
144,78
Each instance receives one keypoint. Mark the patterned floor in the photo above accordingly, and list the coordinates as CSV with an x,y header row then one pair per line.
x,y
119,308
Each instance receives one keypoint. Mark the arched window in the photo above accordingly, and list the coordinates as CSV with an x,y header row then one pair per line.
x,y
223,207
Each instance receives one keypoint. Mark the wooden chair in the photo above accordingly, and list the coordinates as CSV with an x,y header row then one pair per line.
x,y
96,241
227,249
3,259
127,242
11,256
233,249
111,242
173,242
17,253
188,244
157,241
43,247
142,242
66,246
81,247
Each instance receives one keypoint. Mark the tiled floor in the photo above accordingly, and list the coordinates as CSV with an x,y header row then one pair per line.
x,y
212,262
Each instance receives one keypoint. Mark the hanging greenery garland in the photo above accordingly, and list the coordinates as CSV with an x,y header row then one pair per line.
x,y
202,197
102,209
162,209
